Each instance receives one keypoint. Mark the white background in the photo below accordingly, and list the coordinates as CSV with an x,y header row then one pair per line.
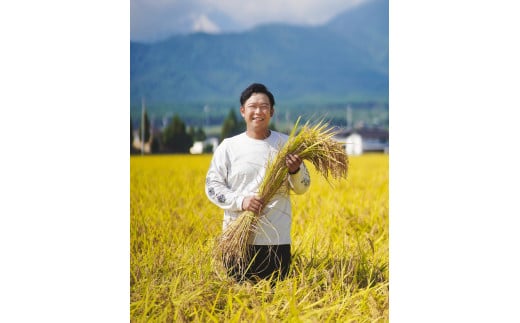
x,y
64,207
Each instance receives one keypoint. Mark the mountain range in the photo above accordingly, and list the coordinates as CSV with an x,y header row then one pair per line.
x,y
344,61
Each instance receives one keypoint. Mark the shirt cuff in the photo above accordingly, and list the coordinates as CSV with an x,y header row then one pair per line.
x,y
296,172
238,202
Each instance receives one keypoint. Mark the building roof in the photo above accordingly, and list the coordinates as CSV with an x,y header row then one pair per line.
x,y
366,133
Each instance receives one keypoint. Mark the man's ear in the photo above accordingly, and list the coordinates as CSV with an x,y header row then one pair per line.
x,y
272,112
242,110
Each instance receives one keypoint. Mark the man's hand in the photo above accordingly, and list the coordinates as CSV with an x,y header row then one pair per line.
x,y
253,204
293,162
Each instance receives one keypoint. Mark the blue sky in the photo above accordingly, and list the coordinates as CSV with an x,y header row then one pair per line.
x,y
152,20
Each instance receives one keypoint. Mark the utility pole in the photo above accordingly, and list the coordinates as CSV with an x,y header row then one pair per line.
x,y
349,117
142,125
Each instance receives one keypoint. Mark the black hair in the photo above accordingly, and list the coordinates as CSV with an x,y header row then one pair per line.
x,y
256,88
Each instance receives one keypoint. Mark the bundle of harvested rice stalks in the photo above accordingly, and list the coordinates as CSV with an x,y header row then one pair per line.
x,y
312,143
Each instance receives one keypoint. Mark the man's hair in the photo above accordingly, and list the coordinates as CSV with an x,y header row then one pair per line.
x,y
256,88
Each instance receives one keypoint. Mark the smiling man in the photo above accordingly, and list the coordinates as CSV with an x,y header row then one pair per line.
x,y
235,174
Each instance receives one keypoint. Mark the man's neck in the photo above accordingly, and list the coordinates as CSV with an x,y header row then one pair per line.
x,y
258,134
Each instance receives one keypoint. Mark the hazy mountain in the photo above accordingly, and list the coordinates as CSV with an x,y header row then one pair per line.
x,y
345,60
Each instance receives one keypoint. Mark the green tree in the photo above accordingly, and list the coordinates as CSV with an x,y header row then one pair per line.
x,y
199,135
156,145
174,137
208,148
231,126
191,132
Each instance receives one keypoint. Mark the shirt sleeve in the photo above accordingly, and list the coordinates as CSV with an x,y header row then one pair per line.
x,y
217,186
300,181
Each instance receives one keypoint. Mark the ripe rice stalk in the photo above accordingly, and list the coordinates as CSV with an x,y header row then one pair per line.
x,y
313,143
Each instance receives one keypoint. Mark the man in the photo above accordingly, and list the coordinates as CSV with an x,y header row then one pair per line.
x,y
235,174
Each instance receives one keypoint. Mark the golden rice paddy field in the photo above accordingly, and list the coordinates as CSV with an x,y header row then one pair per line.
x,y
340,249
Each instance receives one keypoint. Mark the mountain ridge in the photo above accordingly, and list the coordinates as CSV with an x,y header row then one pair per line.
x,y
343,61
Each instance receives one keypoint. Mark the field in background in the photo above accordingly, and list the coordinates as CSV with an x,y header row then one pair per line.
x,y
340,248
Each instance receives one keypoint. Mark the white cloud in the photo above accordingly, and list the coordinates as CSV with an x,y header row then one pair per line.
x,y
156,19
250,13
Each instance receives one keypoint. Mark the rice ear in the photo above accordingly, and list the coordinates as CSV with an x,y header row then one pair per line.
x,y
293,130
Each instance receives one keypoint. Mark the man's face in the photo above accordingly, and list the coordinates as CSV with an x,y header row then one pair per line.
x,y
257,111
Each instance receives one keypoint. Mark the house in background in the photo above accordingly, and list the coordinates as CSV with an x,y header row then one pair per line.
x,y
200,147
363,140
141,147
354,144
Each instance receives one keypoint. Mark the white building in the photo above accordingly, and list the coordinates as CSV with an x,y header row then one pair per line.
x,y
198,146
364,140
354,144
146,147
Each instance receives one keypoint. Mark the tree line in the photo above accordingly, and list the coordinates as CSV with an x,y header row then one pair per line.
x,y
176,137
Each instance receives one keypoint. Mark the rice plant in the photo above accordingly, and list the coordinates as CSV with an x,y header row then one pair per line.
x,y
339,271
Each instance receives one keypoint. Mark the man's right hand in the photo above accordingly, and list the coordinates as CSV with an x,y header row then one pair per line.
x,y
253,204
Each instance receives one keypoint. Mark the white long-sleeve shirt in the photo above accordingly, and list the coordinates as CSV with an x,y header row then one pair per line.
x,y
236,171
